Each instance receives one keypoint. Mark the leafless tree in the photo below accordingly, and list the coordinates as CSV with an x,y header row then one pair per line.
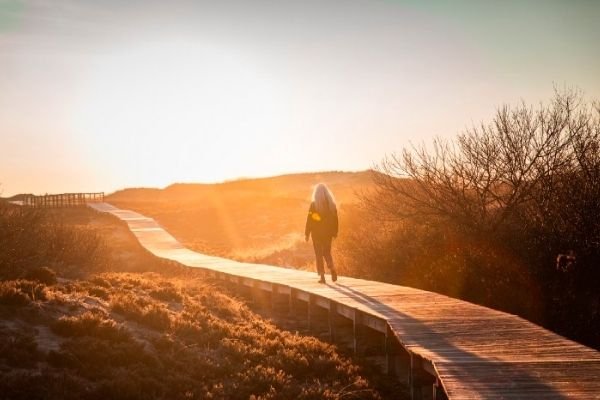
x,y
494,173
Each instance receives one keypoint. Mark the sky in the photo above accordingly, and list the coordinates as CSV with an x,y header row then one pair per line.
x,y
102,95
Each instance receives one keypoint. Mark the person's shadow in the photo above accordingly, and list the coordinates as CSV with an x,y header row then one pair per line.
x,y
490,377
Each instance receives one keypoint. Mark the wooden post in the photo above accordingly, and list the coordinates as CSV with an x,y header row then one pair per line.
x,y
390,351
274,296
255,289
423,385
436,388
239,282
411,376
355,330
292,302
332,319
310,304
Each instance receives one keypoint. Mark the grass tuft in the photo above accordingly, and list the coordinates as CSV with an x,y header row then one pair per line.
x,y
21,292
93,324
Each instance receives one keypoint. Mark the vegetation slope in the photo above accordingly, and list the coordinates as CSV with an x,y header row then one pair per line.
x,y
73,326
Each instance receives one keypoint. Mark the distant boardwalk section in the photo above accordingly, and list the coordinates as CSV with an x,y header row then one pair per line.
x,y
439,346
61,200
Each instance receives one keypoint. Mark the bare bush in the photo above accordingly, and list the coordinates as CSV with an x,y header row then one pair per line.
x,y
484,216
32,239
513,167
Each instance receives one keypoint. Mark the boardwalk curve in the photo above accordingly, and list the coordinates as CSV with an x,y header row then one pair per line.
x,y
454,349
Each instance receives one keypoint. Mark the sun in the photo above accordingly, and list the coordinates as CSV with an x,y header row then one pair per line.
x,y
175,111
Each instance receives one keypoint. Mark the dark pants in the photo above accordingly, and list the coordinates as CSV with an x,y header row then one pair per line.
x,y
322,248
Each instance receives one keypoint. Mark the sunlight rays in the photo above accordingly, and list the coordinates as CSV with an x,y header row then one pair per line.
x,y
176,107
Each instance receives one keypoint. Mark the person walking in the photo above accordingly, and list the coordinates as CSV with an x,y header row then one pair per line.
x,y
322,225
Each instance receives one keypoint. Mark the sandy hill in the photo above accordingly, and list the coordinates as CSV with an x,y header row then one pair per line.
x,y
343,184
247,218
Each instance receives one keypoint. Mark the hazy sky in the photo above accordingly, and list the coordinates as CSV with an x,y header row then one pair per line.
x,y
99,95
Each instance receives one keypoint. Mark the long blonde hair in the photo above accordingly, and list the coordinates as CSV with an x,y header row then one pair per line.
x,y
323,199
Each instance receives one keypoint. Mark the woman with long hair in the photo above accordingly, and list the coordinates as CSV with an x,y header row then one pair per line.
x,y
322,224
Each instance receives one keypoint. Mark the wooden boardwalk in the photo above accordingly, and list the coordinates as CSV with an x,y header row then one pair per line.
x,y
454,349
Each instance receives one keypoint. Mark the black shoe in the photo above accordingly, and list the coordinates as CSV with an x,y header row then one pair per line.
x,y
334,275
322,280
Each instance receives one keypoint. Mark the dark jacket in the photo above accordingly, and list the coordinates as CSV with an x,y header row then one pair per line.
x,y
322,226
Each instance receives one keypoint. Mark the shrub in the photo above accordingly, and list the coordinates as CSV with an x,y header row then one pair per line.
x,y
33,238
156,317
19,349
11,295
21,292
100,281
142,311
99,292
484,217
167,293
43,275
90,324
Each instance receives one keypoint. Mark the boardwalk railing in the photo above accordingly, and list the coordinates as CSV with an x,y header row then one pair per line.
x,y
62,200
440,346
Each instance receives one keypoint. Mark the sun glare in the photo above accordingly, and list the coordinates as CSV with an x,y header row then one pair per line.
x,y
177,111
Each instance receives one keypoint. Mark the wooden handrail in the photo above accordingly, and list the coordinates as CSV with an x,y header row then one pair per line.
x,y
63,200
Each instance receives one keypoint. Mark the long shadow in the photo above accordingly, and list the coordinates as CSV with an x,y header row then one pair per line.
x,y
532,386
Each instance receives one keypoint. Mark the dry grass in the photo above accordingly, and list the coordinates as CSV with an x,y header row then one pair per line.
x,y
195,342
145,334
90,323
21,292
